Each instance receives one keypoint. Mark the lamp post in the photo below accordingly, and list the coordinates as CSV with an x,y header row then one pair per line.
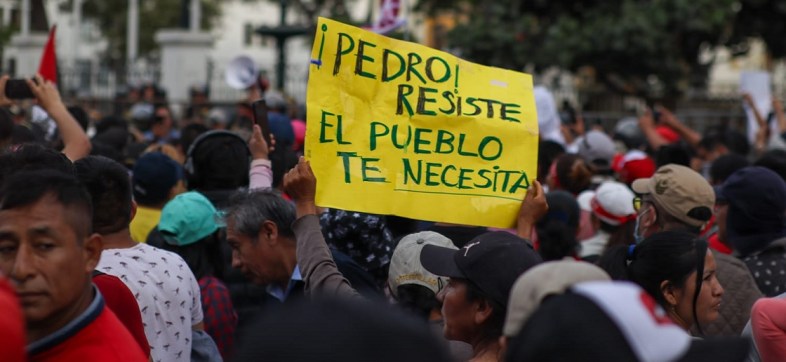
x,y
281,33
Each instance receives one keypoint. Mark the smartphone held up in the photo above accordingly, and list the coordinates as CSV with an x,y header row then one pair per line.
x,y
18,89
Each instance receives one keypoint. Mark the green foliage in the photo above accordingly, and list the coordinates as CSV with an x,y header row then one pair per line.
x,y
764,19
649,48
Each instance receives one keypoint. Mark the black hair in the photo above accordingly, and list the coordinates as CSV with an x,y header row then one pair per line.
x,y
400,226
115,137
189,133
156,119
28,187
573,173
557,229
548,151
491,330
110,186
774,160
6,127
204,257
309,330
31,157
110,122
726,165
619,234
218,160
80,116
676,153
101,149
417,299
734,141
282,159
665,256
21,134
569,327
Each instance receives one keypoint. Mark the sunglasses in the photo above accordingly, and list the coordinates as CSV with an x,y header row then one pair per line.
x,y
637,203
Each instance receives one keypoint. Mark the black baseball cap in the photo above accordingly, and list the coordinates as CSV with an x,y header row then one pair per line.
x,y
491,261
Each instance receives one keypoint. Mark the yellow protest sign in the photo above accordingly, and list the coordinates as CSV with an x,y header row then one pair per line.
x,y
399,128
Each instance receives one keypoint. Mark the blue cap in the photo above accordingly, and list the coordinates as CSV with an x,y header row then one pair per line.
x,y
154,176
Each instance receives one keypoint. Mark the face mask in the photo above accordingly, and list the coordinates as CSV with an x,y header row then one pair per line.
x,y
636,236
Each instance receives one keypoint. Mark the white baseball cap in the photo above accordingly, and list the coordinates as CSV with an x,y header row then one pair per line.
x,y
613,203
405,266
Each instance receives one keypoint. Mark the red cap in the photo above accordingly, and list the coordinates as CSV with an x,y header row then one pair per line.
x,y
636,169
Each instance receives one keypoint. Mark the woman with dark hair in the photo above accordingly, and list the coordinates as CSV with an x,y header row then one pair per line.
x,y
571,173
677,270
189,228
558,228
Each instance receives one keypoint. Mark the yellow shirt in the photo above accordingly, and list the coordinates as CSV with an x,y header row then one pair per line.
x,y
144,221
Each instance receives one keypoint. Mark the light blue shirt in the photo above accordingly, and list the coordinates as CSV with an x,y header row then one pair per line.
x,y
280,294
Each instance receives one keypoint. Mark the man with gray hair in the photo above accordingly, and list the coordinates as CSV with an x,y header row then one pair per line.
x,y
678,198
264,246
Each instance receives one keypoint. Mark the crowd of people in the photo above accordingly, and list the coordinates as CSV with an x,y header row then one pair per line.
x,y
143,236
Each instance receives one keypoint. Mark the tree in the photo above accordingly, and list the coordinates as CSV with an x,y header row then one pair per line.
x,y
762,19
648,48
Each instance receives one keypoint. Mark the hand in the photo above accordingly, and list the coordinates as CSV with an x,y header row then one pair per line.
x,y
257,145
533,208
747,98
645,120
667,117
4,101
300,183
46,93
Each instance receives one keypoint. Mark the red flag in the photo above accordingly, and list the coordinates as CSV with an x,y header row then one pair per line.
x,y
48,66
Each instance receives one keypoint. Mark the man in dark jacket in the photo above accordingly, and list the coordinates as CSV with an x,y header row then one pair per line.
x,y
755,202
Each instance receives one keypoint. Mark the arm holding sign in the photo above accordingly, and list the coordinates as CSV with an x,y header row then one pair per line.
x,y
313,255
532,209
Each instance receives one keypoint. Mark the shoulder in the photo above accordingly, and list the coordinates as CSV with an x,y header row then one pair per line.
x,y
104,339
729,262
165,257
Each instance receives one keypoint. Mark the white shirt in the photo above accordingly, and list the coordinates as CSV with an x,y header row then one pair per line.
x,y
594,245
167,293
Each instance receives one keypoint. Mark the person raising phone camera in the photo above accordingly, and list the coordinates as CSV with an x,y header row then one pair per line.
x,y
75,141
